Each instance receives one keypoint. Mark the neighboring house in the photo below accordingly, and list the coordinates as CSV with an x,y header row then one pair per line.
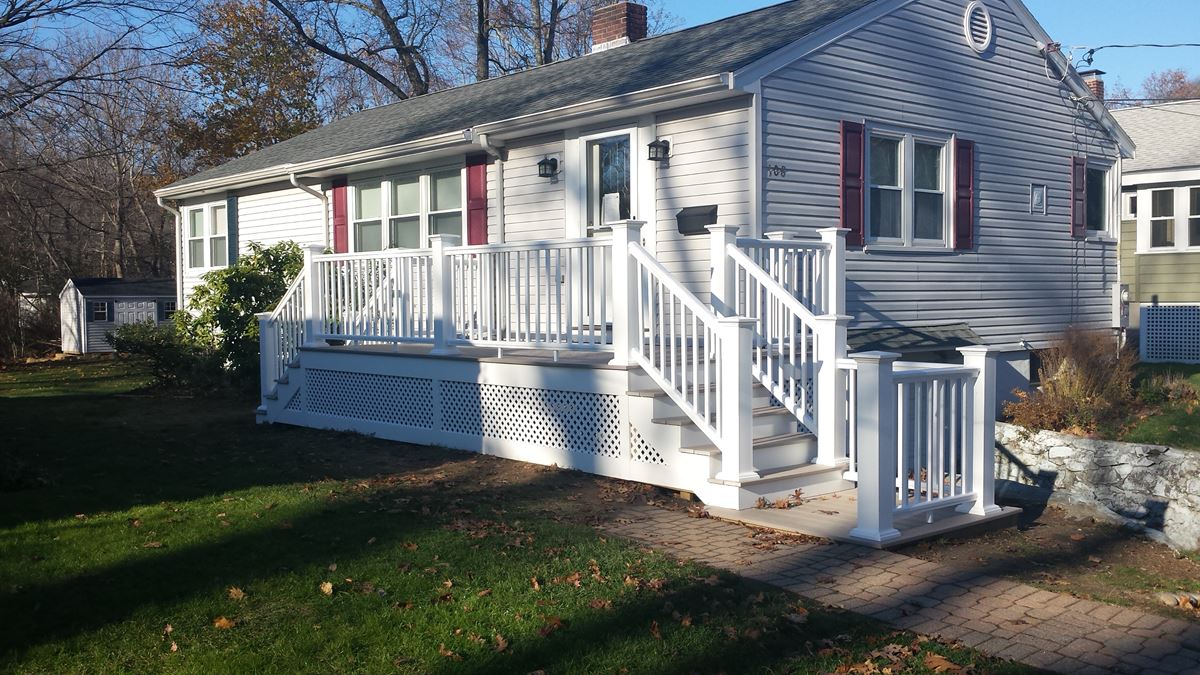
x,y
1160,226
950,141
90,308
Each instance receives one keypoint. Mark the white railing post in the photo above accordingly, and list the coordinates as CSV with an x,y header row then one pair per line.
x,y
835,270
268,353
626,323
830,394
780,236
736,418
877,445
980,426
313,302
723,278
442,272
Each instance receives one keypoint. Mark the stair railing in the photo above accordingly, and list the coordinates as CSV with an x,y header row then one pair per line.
x,y
281,334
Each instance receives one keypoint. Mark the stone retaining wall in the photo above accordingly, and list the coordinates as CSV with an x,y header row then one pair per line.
x,y
1154,485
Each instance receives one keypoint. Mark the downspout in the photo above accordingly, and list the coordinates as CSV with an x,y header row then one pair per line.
x,y
178,250
324,204
496,153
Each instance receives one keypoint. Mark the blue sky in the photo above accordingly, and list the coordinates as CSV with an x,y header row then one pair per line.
x,y
1071,22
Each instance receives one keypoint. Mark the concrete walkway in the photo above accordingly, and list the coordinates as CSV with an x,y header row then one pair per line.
x,y
999,617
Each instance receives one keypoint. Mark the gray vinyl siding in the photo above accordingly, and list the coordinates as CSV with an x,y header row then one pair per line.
x,y
709,165
1027,278
534,208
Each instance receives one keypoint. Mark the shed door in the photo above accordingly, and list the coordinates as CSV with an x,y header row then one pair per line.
x,y
135,311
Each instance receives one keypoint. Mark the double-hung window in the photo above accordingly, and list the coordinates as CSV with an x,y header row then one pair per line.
x,y
1097,199
1194,216
100,311
1162,219
208,236
908,202
418,206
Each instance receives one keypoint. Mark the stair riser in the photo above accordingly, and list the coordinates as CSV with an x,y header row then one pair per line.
x,y
809,486
663,406
785,454
765,425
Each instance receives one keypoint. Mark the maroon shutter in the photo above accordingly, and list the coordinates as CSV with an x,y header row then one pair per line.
x,y
964,195
1078,197
852,181
477,200
341,231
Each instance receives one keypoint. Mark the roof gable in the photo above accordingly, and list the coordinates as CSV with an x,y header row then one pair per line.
x,y
719,47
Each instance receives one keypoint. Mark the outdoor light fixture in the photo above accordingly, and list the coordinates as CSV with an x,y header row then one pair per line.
x,y
659,150
548,168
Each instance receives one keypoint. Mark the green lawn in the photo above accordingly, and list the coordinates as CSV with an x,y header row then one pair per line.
x,y
1175,426
152,532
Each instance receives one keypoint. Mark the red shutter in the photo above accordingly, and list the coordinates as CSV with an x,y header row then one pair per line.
x,y
1078,197
477,200
852,181
341,232
964,195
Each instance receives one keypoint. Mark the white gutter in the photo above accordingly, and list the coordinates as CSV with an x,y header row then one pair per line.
x,y
178,250
711,84
319,194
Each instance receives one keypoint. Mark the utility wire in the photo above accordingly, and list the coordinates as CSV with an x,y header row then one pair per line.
x,y
1091,51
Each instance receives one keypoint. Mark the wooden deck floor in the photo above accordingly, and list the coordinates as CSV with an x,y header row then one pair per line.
x,y
541,357
833,516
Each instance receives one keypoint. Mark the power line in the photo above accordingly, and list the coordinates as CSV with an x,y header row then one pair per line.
x,y
1091,51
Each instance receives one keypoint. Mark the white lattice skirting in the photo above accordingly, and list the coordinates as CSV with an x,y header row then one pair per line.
x,y
573,417
1170,333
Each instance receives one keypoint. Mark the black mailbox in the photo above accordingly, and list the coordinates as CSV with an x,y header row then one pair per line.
x,y
695,219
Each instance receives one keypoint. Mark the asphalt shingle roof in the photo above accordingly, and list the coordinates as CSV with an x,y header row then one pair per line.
x,y
709,49
1167,135
105,287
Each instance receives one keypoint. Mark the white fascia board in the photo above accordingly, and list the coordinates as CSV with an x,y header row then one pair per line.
x,y
1155,177
1074,81
717,84
785,56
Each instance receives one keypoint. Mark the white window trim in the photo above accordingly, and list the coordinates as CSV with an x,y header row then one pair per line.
x,y
579,169
909,137
207,226
1127,199
424,184
1182,214
93,305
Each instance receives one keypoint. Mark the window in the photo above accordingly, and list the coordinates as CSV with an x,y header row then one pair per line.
x,y
608,172
1162,218
1129,212
1097,199
208,236
1194,216
417,207
165,309
908,200
100,311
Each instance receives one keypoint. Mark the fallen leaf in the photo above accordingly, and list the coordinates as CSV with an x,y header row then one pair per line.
x,y
686,620
654,630
501,643
370,541
448,583
174,647
152,544
484,593
940,664
326,588
600,603
223,623
236,593
447,653
552,624
332,567
168,629
411,546
1078,537
536,585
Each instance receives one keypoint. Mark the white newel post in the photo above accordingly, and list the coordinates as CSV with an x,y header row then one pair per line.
x,y
313,302
626,324
831,388
723,281
835,269
981,423
876,446
268,353
736,423
443,293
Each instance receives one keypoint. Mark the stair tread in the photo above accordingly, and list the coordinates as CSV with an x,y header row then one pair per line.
x,y
684,420
784,472
763,442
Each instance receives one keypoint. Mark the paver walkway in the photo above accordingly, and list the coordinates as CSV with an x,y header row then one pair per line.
x,y
999,617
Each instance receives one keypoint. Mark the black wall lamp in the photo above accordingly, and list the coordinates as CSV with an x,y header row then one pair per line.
x,y
660,150
548,168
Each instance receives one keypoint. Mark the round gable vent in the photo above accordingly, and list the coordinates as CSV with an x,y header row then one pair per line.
x,y
977,26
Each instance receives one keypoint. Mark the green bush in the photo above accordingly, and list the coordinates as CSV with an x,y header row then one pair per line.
x,y
1087,383
221,310
1168,387
172,361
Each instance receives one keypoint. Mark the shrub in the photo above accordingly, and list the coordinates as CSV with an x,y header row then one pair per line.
x,y
172,361
1087,382
1168,387
222,308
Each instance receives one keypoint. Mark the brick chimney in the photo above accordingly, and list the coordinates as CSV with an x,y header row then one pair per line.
x,y
1095,83
618,24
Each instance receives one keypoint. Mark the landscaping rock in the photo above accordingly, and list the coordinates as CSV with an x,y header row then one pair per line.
x,y
1169,599
1154,486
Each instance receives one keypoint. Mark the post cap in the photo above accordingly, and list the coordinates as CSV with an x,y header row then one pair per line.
x,y
446,239
977,349
874,357
720,227
262,316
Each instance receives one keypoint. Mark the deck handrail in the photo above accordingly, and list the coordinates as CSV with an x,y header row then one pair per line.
x,y
799,266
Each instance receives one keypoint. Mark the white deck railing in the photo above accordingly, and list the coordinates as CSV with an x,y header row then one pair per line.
x,y
373,297
799,266
546,294
920,437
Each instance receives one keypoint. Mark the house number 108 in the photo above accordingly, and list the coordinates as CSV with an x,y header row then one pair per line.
x,y
777,170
